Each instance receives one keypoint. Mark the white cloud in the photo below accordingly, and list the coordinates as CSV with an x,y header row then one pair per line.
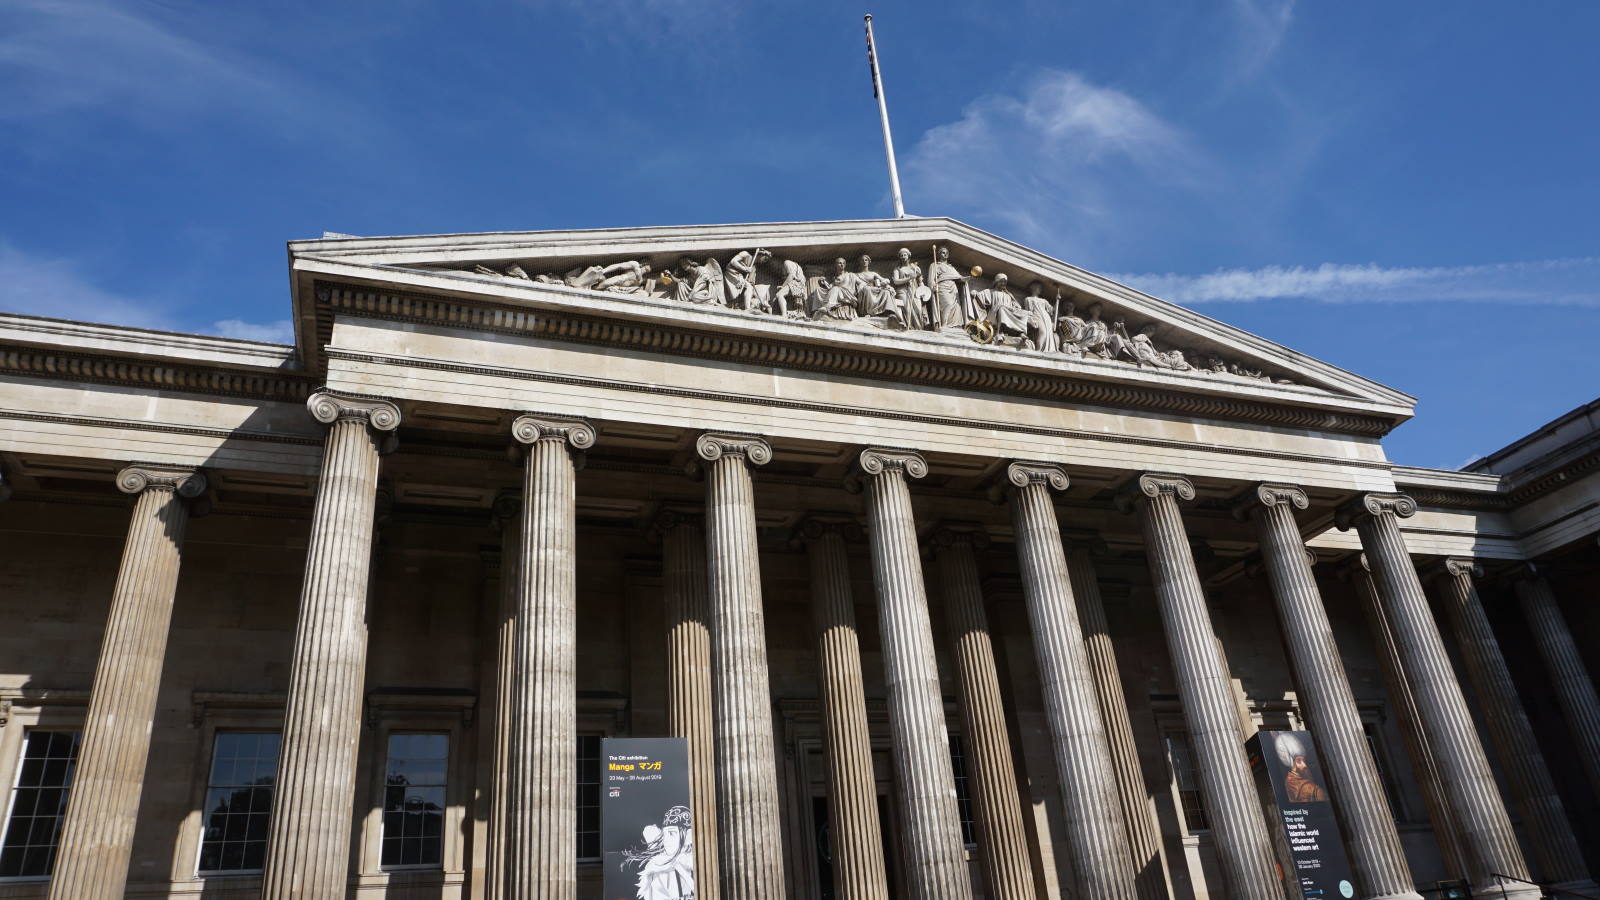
x,y
1573,282
279,332
1063,164
57,288
1262,25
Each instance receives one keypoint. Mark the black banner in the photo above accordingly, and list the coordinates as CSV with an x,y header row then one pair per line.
x,y
646,819
1290,778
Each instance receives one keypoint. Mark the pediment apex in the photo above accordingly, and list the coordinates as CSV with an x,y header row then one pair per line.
x,y
1156,336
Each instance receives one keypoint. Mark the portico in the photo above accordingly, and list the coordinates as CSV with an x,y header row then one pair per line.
x,y
943,613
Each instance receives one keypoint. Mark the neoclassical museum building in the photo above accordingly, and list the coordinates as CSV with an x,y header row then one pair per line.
x,y
963,572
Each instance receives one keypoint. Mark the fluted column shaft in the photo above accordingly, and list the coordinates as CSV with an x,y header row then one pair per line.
x,y
996,801
1488,843
1326,699
857,843
308,846
541,861
97,834
935,867
1244,851
508,516
1138,808
1423,765
1550,835
1095,832
749,832
1575,690
689,708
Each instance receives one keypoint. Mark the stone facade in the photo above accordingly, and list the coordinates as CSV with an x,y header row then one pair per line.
x,y
1013,586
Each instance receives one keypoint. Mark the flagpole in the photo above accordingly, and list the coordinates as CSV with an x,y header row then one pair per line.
x,y
883,113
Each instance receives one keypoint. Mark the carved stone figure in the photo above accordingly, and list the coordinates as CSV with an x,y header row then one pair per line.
x,y
912,292
1095,334
698,283
739,277
876,297
1041,320
998,307
835,296
626,277
1069,326
945,283
789,295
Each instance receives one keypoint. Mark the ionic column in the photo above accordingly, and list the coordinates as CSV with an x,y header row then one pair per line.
x,y
308,845
1423,766
508,519
97,834
749,829
1550,835
1138,808
1095,831
1487,841
1326,699
1244,850
924,781
542,807
857,844
1575,690
996,802
689,708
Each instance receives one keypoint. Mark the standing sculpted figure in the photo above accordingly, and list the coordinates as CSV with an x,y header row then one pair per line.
x,y
739,276
698,283
1041,320
913,294
944,282
835,296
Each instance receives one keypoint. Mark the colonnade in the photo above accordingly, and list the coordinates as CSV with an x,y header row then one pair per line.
x,y
719,697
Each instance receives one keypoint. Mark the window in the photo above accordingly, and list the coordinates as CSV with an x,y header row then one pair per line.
x,y
38,803
244,766
413,800
1180,756
588,796
958,765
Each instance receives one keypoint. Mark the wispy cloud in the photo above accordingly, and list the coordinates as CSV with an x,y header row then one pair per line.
x,y
60,288
279,332
1573,282
1262,25
1048,164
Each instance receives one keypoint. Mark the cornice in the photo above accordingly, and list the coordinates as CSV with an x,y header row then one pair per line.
x,y
164,376
562,324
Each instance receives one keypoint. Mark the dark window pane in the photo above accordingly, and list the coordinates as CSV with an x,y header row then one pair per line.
x,y
416,772
37,803
238,801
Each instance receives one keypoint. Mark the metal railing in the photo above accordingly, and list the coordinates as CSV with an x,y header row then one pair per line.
x,y
1549,889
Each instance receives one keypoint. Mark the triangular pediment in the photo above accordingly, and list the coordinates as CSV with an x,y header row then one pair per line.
x,y
949,299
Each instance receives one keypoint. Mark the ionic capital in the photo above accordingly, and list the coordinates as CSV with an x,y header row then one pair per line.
x,y
1371,506
140,477
1153,485
1461,566
531,428
1266,496
1022,474
713,446
328,407
878,460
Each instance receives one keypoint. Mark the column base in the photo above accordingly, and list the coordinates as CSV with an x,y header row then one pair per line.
x,y
1583,886
1509,890
1403,895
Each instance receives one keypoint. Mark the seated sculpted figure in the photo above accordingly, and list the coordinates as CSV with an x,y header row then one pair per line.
x,y
1095,334
1069,328
997,306
835,296
876,297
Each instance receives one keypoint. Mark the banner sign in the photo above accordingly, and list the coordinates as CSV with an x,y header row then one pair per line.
x,y
646,819
1290,780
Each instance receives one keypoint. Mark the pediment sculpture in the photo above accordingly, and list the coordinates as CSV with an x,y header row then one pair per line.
x,y
934,298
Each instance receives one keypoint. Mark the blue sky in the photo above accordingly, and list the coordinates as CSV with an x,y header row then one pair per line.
x,y
1405,190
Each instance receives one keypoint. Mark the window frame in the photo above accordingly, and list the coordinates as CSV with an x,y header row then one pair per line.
x,y
214,711
21,712
205,779
449,713
451,777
